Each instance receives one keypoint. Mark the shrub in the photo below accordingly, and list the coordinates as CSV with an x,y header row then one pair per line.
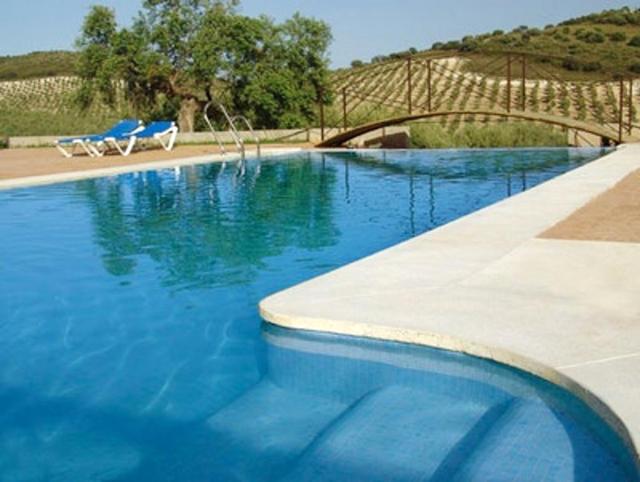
x,y
4,142
356,63
635,68
560,37
469,45
592,66
635,41
574,65
452,45
571,64
591,37
618,37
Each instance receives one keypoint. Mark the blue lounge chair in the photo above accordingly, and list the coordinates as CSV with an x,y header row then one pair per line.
x,y
121,129
156,130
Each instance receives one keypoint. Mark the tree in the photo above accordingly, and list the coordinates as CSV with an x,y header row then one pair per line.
x,y
96,64
179,54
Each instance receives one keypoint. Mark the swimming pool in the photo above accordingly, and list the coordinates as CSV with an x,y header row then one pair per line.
x,y
131,348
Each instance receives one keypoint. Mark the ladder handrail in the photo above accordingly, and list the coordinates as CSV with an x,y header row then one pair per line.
x,y
232,127
212,129
251,131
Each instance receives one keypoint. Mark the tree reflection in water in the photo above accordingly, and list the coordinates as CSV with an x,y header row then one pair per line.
x,y
227,216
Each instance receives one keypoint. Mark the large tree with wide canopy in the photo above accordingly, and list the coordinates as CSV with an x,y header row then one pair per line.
x,y
179,54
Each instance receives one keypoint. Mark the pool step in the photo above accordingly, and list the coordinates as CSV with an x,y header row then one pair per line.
x,y
266,429
405,433
531,442
397,433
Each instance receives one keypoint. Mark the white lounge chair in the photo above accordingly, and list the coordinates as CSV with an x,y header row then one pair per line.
x,y
120,130
157,130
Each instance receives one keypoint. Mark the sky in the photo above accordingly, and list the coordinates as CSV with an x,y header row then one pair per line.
x,y
361,28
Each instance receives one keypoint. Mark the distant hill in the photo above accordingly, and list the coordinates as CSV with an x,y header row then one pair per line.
x,y
608,41
38,65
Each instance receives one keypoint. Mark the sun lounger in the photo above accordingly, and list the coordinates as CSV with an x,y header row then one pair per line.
x,y
122,128
157,130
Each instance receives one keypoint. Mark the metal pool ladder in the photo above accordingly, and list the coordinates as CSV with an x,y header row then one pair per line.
x,y
233,130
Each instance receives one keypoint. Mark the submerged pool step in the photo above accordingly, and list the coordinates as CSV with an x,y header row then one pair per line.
x,y
266,429
407,434
532,442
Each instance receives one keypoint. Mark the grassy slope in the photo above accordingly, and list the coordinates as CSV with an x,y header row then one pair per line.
x,y
599,42
584,51
46,106
37,65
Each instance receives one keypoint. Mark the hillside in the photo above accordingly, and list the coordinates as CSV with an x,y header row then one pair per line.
x,y
45,106
608,41
38,65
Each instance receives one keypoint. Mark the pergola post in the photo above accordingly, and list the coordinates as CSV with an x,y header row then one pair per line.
x,y
631,85
621,112
524,83
508,83
344,109
429,84
409,87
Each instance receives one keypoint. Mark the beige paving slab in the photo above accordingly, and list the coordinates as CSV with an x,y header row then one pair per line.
x,y
616,380
568,311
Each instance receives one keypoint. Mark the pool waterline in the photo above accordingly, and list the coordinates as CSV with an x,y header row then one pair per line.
x,y
142,205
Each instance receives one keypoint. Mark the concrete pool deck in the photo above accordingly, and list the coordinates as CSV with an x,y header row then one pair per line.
x,y
490,285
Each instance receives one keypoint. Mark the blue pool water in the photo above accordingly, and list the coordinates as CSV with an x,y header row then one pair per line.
x,y
131,348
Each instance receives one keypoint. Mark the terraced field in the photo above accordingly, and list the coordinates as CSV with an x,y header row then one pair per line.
x,y
45,107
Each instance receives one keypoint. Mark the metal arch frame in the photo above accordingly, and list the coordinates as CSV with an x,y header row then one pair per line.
x,y
339,139
343,82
